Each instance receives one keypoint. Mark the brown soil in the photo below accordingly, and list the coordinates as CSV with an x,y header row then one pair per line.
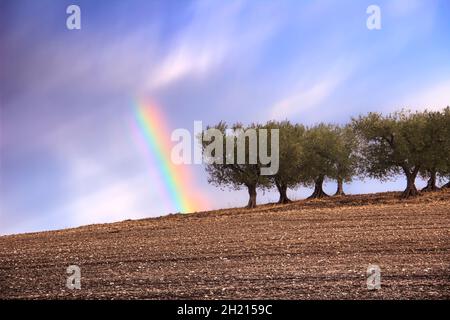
x,y
307,249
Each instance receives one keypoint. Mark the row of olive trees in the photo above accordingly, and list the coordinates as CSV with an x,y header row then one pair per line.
x,y
373,145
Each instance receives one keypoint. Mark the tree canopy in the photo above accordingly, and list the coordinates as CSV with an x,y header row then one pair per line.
x,y
394,144
372,145
291,140
228,164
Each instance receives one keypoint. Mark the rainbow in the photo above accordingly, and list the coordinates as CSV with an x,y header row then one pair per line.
x,y
177,179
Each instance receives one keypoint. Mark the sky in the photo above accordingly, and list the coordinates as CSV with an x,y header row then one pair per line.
x,y
69,154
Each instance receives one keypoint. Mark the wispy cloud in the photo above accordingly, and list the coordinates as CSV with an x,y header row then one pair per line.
x,y
65,95
311,94
400,8
119,200
433,97
101,187
215,35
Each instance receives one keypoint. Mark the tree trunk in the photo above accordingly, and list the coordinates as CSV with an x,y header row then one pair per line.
x,y
431,184
282,189
340,187
318,189
411,190
252,196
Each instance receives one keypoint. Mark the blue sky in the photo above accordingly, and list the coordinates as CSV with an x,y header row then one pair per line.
x,y
67,153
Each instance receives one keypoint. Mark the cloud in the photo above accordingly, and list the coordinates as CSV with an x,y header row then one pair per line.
x,y
406,7
116,201
433,97
101,189
144,58
304,99
310,94
105,177
215,35
65,94
185,60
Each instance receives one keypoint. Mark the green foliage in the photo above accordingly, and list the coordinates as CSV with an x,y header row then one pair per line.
x,y
444,167
436,139
319,153
232,174
329,152
345,153
403,142
291,140
374,145
391,143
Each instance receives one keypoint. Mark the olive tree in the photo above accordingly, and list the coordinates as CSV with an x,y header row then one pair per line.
x,y
436,138
345,155
232,159
290,151
318,160
393,144
444,170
